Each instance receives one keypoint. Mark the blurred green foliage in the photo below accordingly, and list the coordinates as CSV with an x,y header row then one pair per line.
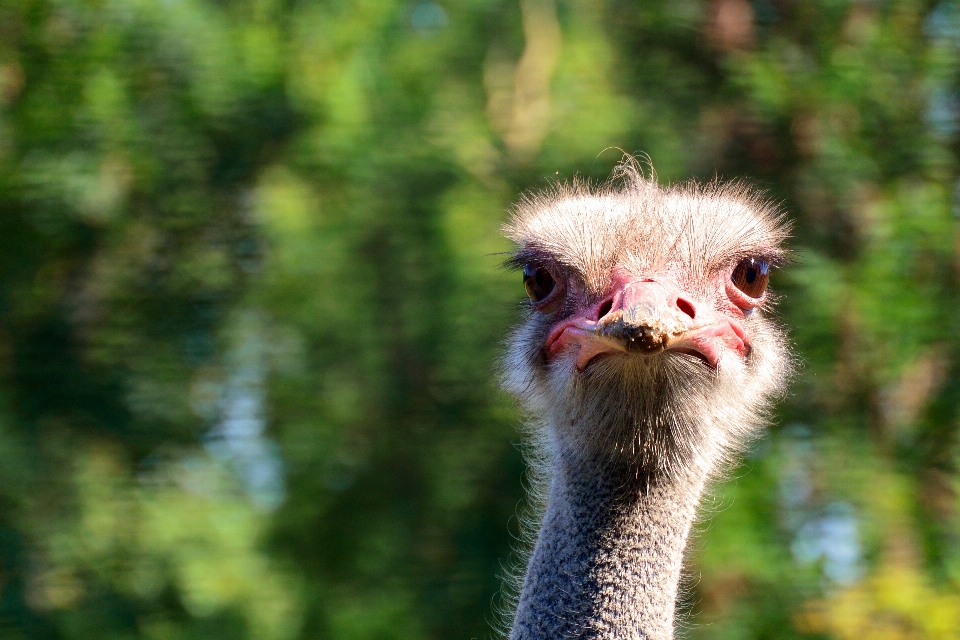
x,y
250,304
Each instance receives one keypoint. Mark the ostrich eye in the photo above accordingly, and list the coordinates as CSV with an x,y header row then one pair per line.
x,y
751,277
538,282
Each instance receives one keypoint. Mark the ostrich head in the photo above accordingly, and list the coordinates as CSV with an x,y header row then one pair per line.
x,y
646,342
644,359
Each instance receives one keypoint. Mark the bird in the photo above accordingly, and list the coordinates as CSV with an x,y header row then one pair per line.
x,y
646,361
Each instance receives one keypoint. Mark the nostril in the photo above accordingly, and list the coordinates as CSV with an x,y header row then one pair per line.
x,y
604,308
686,307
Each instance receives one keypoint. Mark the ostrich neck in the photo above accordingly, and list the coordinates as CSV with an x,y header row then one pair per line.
x,y
609,554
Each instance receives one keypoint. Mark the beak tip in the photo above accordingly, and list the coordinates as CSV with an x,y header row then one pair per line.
x,y
647,342
637,338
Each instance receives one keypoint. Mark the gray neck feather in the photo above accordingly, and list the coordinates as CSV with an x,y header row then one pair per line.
x,y
609,554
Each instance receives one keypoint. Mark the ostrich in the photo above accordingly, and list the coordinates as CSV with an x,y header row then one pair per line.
x,y
644,363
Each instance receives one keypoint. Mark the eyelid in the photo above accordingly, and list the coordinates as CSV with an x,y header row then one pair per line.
x,y
773,259
743,302
524,257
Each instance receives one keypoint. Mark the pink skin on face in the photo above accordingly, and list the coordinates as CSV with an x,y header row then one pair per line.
x,y
657,307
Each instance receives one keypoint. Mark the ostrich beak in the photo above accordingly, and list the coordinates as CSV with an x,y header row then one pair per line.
x,y
646,317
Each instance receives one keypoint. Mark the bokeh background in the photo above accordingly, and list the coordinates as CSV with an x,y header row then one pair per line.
x,y
250,304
